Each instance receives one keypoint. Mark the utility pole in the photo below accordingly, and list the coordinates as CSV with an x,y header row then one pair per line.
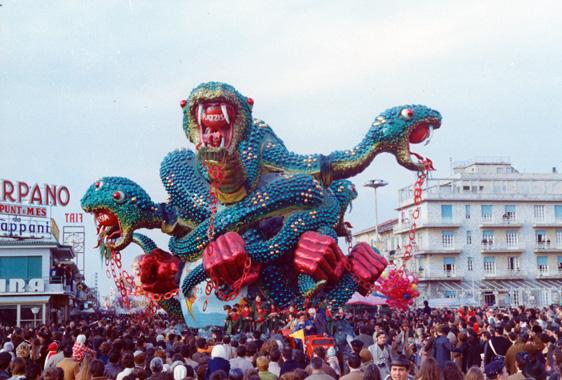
x,y
375,184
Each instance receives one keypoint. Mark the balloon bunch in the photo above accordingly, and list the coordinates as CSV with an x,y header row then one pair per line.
x,y
399,287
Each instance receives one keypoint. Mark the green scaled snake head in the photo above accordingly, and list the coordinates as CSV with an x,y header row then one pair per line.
x,y
216,117
120,206
345,192
398,127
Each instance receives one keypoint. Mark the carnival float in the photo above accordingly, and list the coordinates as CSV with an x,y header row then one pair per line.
x,y
245,214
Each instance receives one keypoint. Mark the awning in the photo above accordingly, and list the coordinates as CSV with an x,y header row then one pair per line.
x,y
550,284
370,300
499,285
24,300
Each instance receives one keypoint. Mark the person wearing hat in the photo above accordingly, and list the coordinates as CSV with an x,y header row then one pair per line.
x,y
399,368
496,370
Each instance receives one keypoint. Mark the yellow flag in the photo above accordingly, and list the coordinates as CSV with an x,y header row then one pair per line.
x,y
299,334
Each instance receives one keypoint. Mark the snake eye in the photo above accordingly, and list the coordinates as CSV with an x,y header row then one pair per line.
x,y
119,196
98,184
407,113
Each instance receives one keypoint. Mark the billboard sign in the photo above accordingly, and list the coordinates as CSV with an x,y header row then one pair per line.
x,y
25,209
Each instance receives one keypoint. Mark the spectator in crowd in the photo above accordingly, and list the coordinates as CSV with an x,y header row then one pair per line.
x,y
442,347
316,365
97,370
113,368
399,369
263,369
381,353
497,345
527,340
128,364
474,373
69,365
274,358
218,361
429,370
240,360
495,370
354,364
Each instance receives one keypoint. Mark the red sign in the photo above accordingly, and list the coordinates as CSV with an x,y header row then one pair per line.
x,y
74,217
47,195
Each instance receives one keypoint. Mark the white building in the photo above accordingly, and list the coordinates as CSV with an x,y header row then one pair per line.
x,y
38,282
489,234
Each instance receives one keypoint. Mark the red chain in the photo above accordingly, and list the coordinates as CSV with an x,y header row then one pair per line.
x,y
418,191
120,276
216,176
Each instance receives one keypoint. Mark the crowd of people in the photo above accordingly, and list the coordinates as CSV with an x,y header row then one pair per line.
x,y
422,344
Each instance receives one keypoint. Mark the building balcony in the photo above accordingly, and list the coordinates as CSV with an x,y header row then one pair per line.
x,y
546,274
548,223
548,248
442,223
490,248
504,222
57,284
437,251
509,274
450,275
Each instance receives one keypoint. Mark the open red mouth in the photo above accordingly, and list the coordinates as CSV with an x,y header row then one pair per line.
x,y
423,131
107,227
215,120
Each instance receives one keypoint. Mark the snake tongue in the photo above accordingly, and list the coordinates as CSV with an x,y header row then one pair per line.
x,y
215,124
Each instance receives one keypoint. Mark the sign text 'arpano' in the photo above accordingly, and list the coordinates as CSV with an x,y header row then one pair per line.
x,y
33,194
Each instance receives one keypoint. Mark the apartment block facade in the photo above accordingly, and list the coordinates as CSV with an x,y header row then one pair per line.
x,y
487,235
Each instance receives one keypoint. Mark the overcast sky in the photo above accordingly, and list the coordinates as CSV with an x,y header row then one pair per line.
x,y
92,88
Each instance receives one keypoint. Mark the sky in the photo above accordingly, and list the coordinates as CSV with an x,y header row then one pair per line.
x,y
92,88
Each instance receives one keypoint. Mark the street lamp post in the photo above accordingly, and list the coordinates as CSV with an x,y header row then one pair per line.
x,y
35,310
375,184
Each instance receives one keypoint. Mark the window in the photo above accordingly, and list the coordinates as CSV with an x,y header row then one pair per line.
x,y
446,213
490,265
24,267
515,299
538,212
558,213
449,294
468,237
542,264
449,266
467,211
513,263
559,261
559,239
509,215
489,298
486,212
511,239
447,239
487,239
470,264
541,239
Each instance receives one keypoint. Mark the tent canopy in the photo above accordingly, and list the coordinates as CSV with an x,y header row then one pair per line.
x,y
370,300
